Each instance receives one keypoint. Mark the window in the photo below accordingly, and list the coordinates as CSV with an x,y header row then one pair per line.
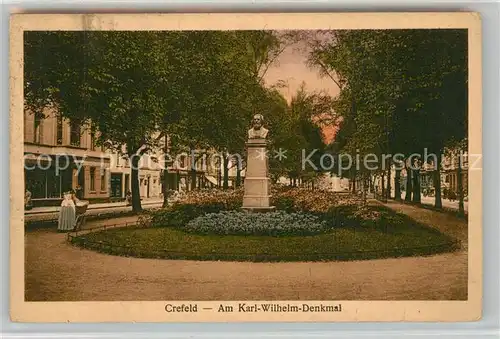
x,y
59,137
38,131
75,133
103,180
92,178
92,140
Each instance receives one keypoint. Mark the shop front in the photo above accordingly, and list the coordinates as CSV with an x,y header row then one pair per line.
x,y
47,178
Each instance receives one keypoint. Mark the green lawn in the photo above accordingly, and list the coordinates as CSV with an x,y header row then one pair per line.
x,y
409,239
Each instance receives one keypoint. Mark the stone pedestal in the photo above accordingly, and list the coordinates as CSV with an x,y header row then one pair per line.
x,y
257,182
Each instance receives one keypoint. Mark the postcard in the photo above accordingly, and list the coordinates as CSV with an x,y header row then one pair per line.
x,y
319,167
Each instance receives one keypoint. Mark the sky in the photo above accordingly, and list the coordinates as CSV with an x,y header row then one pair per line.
x,y
291,67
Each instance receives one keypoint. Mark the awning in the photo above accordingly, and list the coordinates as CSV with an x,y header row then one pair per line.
x,y
211,179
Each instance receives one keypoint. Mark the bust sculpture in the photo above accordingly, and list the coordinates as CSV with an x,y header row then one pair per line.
x,y
257,131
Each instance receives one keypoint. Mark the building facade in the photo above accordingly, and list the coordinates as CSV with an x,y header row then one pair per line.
x,y
59,156
204,169
452,172
120,177
449,175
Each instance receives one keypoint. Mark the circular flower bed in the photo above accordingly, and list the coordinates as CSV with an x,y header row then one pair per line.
x,y
307,226
277,223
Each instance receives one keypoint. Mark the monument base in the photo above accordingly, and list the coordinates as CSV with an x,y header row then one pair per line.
x,y
259,209
257,194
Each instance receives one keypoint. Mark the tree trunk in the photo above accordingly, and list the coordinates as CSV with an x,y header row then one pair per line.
x,y
238,176
460,188
409,187
397,185
416,186
363,190
192,180
166,189
388,192
226,173
382,184
219,177
354,183
134,178
437,183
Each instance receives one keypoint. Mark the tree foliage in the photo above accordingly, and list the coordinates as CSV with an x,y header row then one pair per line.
x,y
199,88
137,86
401,91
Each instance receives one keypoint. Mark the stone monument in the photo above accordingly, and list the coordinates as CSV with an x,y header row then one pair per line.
x,y
257,192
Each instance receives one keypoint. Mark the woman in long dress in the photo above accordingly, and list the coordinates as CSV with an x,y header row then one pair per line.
x,y
67,214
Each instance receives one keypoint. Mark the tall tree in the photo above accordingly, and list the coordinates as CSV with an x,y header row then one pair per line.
x,y
138,87
110,78
407,85
298,133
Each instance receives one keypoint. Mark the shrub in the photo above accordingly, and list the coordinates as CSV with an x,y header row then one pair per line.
x,y
194,204
291,199
276,223
179,214
176,215
363,216
284,203
317,201
341,216
229,199
337,210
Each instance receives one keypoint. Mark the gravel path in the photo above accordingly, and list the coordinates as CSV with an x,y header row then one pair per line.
x,y
57,271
